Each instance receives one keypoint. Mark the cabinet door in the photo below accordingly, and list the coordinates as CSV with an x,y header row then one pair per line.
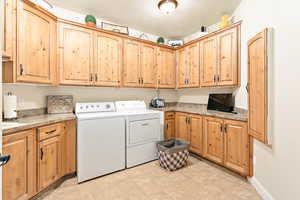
x,y
196,134
169,128
19,174
36,41
213,139
49,164
208,66
193,65
131,70
182,69
182,129
75,55
166,68
236,141
9,28
228,58
148,66
108,59
258,86
69,148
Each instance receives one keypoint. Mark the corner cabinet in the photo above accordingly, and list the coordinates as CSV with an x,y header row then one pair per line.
x,y
166,68
75,55
227,142
220,59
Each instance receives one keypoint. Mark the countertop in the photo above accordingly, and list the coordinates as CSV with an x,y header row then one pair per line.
x,y
201,109
34,121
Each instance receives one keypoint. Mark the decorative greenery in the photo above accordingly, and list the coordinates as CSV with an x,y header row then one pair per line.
x,y
90,18
161,40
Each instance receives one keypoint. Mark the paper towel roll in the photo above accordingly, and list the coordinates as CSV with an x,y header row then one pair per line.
x,y
10,106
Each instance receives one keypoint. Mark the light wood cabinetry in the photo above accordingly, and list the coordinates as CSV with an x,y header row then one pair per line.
x,y
189,128
236,140
220,59
258,86
169,125
75,55
166,68
30,43
19,174
39,157
148,69
108,59
226,142
188,60
213,140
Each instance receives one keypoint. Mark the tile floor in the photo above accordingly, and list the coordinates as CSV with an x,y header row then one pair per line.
x,y
200,180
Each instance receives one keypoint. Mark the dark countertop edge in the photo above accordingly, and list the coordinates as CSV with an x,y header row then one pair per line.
x,y
31,125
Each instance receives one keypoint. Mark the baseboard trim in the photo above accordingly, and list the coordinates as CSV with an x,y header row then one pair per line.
x,y
260,189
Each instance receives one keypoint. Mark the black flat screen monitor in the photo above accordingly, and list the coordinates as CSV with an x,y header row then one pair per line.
x,y
221,102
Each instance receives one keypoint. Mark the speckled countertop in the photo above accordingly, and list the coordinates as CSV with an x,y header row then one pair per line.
x,y
34,121
201,109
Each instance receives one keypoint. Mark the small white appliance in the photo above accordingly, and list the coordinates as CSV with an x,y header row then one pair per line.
x,y
100,140
144,128
10,106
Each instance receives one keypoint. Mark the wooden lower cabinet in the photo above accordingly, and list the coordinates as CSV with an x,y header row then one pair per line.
x,y
49,163
19,174
213,140
169,125
39,157
236,140
189,128
227,142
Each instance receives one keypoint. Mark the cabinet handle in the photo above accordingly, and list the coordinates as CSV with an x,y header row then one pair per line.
x,y
167,126
96,77
145,124
21,69
42,153
91,77
186,120
142,80
139,80
221,128
218,78
214,78
247,87
225,128
50,132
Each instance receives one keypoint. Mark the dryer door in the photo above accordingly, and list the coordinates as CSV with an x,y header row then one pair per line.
x,y
143,131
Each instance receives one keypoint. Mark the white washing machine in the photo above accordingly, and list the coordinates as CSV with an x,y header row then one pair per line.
x,y
144,128
100,140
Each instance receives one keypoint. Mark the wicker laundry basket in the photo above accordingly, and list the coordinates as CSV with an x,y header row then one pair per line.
x,y
173,154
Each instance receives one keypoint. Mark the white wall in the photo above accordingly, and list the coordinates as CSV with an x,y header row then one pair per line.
x,y
277,169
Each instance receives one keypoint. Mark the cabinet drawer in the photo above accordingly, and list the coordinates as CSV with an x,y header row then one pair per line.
x,y
169,115
49,131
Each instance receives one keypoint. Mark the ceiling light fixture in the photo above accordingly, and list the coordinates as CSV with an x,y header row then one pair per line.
x,y
167,6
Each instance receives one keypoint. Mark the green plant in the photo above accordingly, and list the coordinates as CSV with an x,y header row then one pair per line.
x,y
90,18
161,40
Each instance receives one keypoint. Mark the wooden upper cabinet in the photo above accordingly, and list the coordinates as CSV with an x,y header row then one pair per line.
x,y
131,64
9,29
228,58
193,69
166,68
182,68
196,133
36,42
108,59
19,174
75,55
148,70
208,66
236,140
182,129
258,86
213,139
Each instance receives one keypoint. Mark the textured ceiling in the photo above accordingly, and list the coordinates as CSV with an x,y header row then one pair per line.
x,y
144,15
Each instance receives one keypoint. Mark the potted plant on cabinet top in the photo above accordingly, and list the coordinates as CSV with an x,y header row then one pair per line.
x,y
90,20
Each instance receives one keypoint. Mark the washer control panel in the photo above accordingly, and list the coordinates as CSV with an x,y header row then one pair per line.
x,y
95,107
